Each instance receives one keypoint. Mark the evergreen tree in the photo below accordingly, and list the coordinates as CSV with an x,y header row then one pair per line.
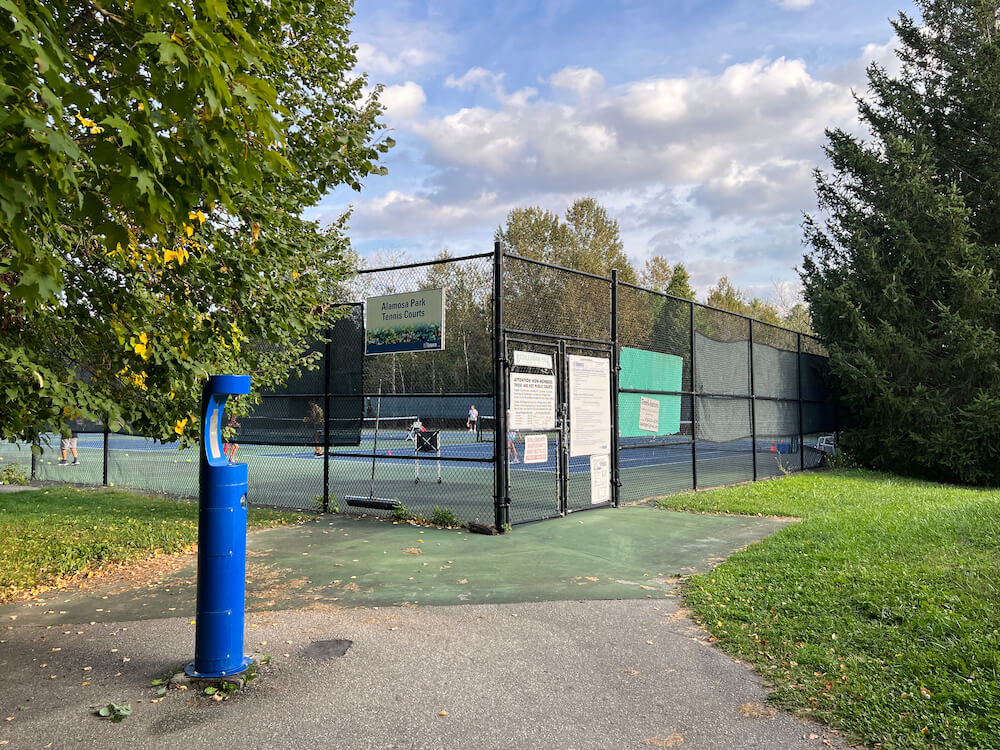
x,y
680,283
658,275
901,277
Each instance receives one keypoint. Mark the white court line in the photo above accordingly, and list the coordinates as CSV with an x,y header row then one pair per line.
x,y
701,457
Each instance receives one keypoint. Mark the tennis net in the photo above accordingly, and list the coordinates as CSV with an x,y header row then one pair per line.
x,y
389,428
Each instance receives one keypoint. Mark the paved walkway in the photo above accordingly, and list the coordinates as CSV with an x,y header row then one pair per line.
x,y
630,672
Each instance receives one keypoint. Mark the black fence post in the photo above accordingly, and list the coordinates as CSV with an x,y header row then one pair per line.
x,y
694,406
107,449
798,377
501,497
615,369
326,422
753,407
563,462
34,460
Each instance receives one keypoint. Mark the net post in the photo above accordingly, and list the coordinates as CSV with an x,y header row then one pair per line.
x,y
326,421
694,404
753,405
107,447
798,378
615,368
501,497
836,420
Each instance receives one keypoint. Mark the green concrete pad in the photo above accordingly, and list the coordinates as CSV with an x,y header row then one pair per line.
x,y
628,553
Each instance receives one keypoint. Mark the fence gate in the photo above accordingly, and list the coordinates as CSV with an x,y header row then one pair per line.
x,y
535,431
559,427
587,426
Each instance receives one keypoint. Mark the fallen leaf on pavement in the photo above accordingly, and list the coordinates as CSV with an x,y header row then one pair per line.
x,y
757,711
674,740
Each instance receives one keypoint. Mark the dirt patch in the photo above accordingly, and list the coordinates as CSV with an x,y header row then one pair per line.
x,y
674,740
757,711
119,578
272,583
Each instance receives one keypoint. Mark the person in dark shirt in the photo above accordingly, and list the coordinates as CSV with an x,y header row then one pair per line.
x,y
315,418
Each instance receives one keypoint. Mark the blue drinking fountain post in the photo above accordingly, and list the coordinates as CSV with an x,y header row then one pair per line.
x,y
222,542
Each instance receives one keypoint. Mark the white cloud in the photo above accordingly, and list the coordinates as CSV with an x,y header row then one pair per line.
x,y
403,102
388,48
378,62
584,82
491,83
411,214
710,169
755,126
658,101
474,78
795,4
854,72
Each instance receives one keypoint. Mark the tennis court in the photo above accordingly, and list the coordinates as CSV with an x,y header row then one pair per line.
x,y
293,476
586,392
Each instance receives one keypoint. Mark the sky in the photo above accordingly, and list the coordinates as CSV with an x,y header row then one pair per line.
x,y
696,124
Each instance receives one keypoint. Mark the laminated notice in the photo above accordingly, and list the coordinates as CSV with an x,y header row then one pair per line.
x,y
600,479
649,414
536,449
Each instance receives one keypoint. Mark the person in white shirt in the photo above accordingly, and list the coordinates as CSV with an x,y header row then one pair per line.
x,y
473,418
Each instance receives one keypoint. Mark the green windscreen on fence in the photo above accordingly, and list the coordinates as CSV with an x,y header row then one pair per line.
x,y
650,372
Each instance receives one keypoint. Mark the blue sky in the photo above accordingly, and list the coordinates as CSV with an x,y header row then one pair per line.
x,y
696,124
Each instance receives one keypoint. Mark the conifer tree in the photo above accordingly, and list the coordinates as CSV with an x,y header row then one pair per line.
x,y
901,277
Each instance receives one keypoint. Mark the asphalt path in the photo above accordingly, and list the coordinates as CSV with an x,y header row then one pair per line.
x,y
594,674
625,668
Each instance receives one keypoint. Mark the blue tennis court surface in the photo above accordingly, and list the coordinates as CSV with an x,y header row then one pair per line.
x,y
396,448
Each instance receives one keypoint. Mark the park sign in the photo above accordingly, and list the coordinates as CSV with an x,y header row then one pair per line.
x,y
408,322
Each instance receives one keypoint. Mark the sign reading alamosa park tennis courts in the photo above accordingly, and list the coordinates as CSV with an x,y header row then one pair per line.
x,y
408,322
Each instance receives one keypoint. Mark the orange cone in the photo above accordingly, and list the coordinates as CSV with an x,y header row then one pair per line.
x,y
774,448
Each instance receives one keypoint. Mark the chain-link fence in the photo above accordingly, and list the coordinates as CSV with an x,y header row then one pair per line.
x,y
694,397
574,391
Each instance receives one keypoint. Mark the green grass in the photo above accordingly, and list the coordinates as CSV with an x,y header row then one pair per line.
x,y
877,614
49,536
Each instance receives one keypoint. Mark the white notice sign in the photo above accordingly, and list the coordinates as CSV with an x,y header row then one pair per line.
x,y
649,414
536,449
532,359
600,479
589,406
532,401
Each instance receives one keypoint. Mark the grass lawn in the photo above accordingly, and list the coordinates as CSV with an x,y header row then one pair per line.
x,y
54,535
877,614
